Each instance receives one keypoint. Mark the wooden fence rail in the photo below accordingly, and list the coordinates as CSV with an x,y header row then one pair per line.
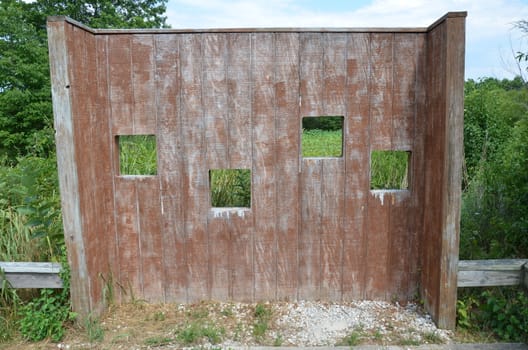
x,y
471,273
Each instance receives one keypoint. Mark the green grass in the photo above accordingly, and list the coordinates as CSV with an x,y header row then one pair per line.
x,y
137,155
389,170
321,143
230,187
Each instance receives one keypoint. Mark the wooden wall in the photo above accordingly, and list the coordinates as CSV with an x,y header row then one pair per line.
x,y
235,99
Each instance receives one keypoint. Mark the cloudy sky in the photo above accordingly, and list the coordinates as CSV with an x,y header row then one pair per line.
x,y
491,39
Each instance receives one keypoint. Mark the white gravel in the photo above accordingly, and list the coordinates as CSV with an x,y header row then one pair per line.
x,y
307,323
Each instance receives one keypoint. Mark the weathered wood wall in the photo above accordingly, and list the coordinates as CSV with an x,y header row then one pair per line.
x,y
235,99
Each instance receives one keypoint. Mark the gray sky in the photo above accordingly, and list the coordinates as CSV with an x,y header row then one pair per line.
x,y
491,40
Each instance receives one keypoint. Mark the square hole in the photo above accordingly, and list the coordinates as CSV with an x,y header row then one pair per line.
x,y
137,154
322,136
230,188
389,170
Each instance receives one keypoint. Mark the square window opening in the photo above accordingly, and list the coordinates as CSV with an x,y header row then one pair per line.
x,y
137,154
322,136
230,188
389,170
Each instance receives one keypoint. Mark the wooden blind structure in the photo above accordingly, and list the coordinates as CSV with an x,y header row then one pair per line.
x,y
234,99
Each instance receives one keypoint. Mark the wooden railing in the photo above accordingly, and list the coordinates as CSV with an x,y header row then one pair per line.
x,y
471,273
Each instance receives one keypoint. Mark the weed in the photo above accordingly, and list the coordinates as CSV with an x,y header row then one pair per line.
x,y
44,316
409,342
158,341
196,331
352,339
262,316
94,330
278,340
432,338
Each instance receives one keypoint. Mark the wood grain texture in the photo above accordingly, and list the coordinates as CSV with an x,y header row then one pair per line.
x,y
195,190
58,34
235,99
287,162
263,168
357,157
170,139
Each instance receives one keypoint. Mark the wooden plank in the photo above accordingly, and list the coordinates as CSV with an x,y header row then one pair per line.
x,y
310,233
379,203
220,238
214,100
241,256
333,171
240,157
150,240
239,100
127,227
484,273
311,54
417,167
381,80
434,133
58,33
452,168
264,153
403,91
195,188
83,115
120,82
143,83
524,277
287,131
170,167
332,212
356,150
402,135
30,274
103,145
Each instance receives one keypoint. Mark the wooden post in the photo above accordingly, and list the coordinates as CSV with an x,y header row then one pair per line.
x,y
443,174
67,165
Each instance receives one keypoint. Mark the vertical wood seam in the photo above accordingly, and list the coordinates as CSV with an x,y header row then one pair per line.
x,y
182,208
253,167
344,136
114,161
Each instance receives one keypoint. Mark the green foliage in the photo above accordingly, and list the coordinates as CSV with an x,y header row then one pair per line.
x,y
389,170
230,187
45,316
502,311
320,143
137,155
494,217
30,212
262,316
94,329
199,331
326,123
353,339
105,13
25,90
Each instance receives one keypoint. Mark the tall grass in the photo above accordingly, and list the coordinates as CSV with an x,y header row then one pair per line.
x,y
389,170
230,187
137,155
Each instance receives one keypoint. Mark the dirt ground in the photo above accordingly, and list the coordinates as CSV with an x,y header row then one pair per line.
x,y
208,325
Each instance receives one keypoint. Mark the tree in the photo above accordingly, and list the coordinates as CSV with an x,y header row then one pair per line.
x,y
25,106
25,89
105,13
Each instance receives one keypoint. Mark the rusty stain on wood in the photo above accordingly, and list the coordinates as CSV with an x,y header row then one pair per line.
x,y
235,98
